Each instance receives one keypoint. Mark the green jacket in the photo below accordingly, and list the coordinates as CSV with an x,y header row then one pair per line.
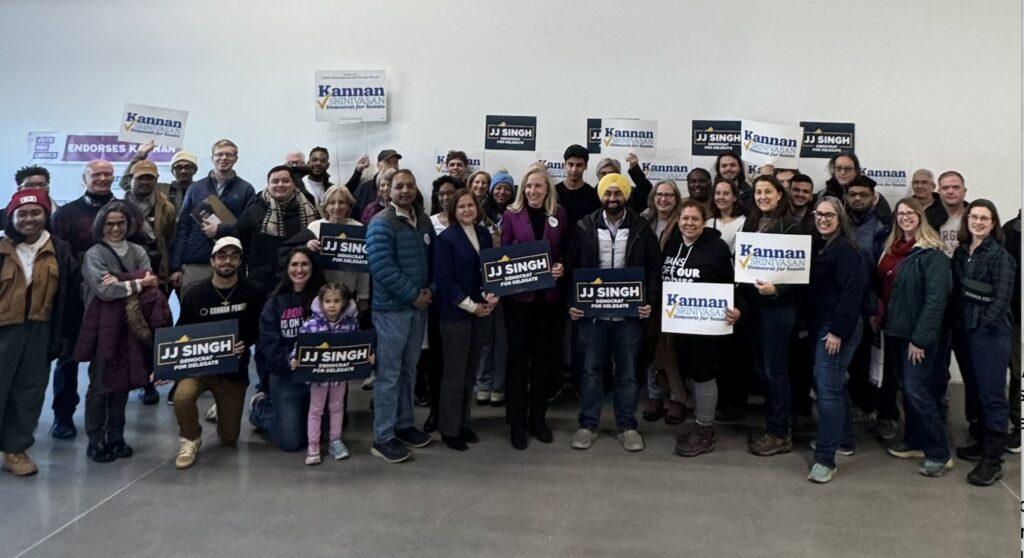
x,y
919,297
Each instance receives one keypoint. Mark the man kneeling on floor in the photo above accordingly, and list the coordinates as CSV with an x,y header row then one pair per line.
x,y
226,296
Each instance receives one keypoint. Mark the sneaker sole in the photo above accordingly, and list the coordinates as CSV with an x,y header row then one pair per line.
x,y
412,445
341,456
694,454
912,454
821,480
181,467
776,451
580,447
375,453
1015,450
948,466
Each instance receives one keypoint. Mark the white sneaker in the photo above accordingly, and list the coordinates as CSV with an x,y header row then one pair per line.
x,y
211,413
483,397
187,453
313,459
583,439
338,450
497,398
631,440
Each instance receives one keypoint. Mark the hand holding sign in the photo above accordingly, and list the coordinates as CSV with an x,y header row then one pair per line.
x,y
557,270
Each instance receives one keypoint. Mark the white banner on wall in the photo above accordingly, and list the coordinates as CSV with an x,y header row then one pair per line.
x,y
777,258
359,95
475,156
762,143
695,308
141,123
668,163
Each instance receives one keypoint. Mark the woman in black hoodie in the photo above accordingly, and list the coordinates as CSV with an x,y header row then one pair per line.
x,y
776,315
696,254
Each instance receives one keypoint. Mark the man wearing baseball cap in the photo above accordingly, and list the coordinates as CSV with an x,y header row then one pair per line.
x,y
225,296
616,237
184,165
366,193
37,279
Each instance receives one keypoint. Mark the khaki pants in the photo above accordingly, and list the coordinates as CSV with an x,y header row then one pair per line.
x,y
228,395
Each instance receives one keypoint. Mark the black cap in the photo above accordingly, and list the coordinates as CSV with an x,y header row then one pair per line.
x,y
387,154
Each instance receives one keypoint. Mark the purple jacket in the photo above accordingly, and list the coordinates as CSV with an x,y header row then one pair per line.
x,y
317,323
516,229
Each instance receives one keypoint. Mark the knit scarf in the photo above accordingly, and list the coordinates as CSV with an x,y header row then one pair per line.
x,y
145,207
273,220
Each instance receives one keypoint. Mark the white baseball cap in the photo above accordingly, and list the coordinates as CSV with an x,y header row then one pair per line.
x,y
224,243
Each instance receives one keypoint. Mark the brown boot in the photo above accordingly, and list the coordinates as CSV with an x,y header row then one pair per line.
x,y
654,410
19,464
676,413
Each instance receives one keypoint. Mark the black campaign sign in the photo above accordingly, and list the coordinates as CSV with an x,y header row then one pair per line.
x,y
609,292
195,350
517,268
333,357
343,247
518,133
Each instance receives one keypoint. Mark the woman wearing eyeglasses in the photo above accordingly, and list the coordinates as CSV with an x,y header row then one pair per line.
x,y
836,295
983,275
845,167
914,272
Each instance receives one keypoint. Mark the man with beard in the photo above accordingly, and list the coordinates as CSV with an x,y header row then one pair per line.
x,y
72,223
614,236
225,296
698,185
184,165
313,179
801,192
728,165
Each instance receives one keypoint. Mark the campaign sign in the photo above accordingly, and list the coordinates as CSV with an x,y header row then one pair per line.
x,y
714,137
333,357
476,160
695,308
517,268
892,178
602,293
777,258
62,148
823,140
343,247
195,350
355,95
517,133
770,144
141,123
593,135
668,164
553,161
618,137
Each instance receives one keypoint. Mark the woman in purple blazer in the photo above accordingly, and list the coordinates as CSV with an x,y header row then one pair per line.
x,y
532,318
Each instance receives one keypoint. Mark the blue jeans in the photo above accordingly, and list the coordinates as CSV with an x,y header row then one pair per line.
x,y
399,342
283,414
835,419
776,325
986,350
921,399
623,339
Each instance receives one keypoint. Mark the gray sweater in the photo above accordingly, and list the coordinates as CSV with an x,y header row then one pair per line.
x,y
100,261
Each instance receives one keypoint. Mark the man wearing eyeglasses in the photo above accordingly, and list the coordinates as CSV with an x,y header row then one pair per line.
x,y
72,223
184,165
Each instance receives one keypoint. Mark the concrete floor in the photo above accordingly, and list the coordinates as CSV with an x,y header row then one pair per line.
x,y
492,500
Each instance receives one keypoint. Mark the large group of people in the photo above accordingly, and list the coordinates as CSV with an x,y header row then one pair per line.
x,y
931,277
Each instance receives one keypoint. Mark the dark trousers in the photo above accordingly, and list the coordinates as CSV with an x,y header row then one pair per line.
x,y
104,409
463,342
736,367
773,353
65,389
986,350
924,385
1013,395
430,367
532,358
23,378
801,365
862,393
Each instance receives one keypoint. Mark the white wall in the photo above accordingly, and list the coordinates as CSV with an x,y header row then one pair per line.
x,y
934,82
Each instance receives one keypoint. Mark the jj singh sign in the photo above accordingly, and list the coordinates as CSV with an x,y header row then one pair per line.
x,y
609,292
334,357
196,350
517,268
343,247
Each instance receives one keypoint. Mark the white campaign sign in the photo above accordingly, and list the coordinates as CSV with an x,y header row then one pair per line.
x,y
141,123
695,308
892,178
777,258
555,164
475,156
353,95
771,144
622,136
668,163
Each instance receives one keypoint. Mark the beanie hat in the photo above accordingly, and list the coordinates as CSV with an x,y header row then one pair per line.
x,y
617,180
37,196
503,177
186,156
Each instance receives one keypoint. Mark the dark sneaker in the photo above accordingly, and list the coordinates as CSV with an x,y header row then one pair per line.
x,y
120,450
99,453
391,451
1013,442
986,472
412,437
63,430
766,444
700,440
150,396
971,452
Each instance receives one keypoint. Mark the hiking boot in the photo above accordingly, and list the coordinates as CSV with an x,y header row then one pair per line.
x,y
932,468
700,440
19,464
583,439
631,440
766,444
187,452
821,473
